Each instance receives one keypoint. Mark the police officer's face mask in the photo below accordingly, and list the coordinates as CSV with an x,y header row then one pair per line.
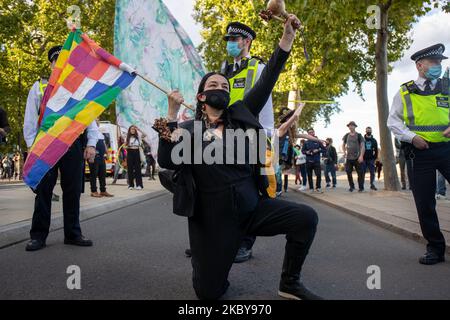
x,y
233,49
434,72
217,99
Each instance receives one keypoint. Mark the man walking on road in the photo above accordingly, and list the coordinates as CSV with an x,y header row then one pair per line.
x,y
370,155
313,149
401,159
330,163
354,147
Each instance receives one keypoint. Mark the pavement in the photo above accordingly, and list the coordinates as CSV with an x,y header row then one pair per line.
x,y
138,253
17,203
394,211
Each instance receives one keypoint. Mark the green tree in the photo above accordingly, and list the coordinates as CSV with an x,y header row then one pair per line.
x,y
28,29
342,45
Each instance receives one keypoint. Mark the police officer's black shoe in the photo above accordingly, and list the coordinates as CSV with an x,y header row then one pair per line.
x,y
188,253
430,258
34,245
243,255
80,241
295,290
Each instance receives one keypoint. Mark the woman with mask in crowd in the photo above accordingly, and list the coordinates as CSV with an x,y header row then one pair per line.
x,y
224,202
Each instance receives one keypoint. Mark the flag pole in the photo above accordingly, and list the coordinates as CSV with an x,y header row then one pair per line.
x,y
145,78
314,101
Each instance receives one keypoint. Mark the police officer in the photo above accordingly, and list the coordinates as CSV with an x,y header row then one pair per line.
x,y
243,74
71,167
34,103
419,118
245,69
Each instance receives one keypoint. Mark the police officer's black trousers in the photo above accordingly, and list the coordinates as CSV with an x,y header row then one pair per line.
x,y
71,168
97,169
216,231
423,168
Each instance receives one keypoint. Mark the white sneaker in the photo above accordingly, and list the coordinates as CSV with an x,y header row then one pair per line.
x,y
319,190
302,188
130,188
138,188
440,197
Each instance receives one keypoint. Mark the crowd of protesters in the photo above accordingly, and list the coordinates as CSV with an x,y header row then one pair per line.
x,y
312,156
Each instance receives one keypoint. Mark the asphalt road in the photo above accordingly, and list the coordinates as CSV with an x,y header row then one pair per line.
x,y
139,254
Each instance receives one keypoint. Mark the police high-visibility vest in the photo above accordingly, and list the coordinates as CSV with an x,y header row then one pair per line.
x,y
243,81
42,87
427,115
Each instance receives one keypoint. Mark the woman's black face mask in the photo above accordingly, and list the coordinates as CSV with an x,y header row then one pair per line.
x,y
217,99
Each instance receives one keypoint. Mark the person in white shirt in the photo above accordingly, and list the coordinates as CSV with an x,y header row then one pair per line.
x,y
97,168
71,168
134,147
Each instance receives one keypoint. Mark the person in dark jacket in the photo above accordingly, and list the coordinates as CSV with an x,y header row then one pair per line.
x,y
313,150
151,163
224,202
401,160
330,161
370,156
4,125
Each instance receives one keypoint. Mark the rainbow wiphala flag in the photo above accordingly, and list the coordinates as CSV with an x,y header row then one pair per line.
x,y
84,82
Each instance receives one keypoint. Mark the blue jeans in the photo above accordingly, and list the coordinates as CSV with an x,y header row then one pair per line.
x,y
279,178
304,174
330,168
371,165
441,188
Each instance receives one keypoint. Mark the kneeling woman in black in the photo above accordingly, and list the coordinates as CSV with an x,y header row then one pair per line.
x,y
227,201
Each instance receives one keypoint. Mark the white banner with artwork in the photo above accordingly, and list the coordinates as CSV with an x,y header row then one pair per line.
x,y
147,37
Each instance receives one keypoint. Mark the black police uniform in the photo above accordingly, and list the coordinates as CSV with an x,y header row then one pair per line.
x,y
422,166
71,168
237,29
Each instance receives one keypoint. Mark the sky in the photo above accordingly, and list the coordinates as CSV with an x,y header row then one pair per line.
x,y
430,29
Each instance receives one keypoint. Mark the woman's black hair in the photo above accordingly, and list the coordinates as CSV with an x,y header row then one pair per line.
x,y
201,88
286,117
129,134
